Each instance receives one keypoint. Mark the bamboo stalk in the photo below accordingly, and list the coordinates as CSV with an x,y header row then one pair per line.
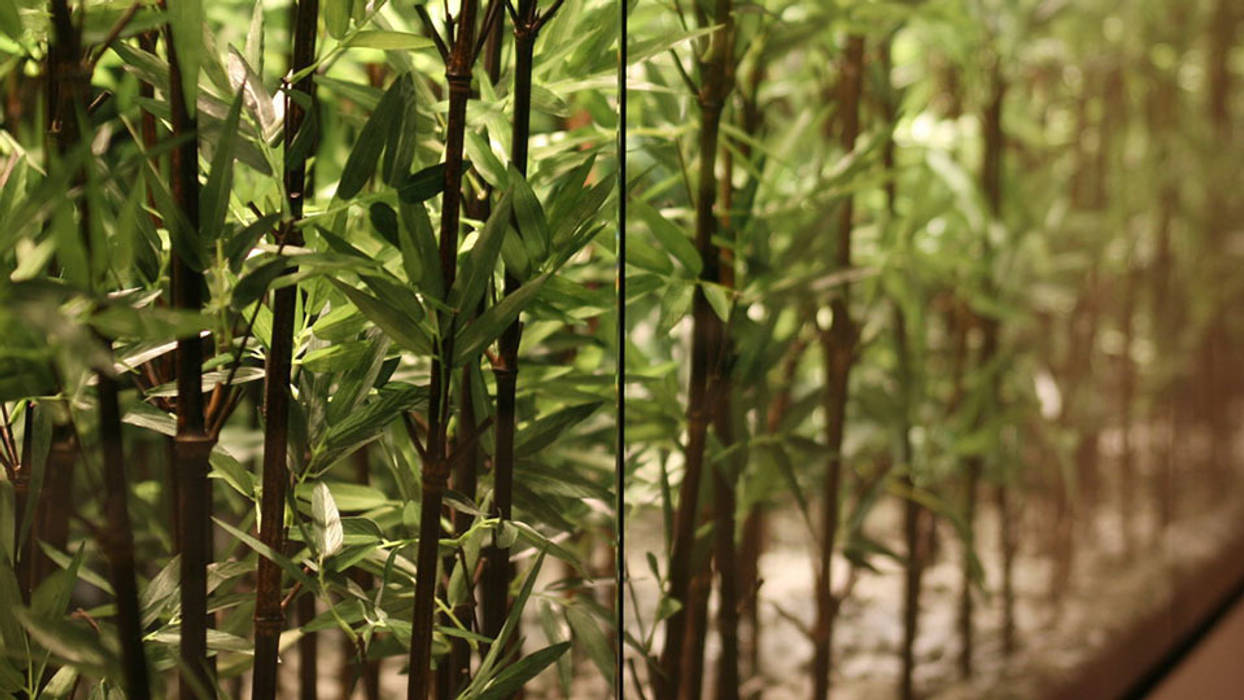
x,y
991,184
269,615
456,672
67,62
838,347
496,605
914,515
435,471
192,444
21,502
705,345
499,570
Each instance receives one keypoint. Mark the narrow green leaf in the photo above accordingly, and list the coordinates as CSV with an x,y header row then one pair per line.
x,y
10,630
389,41
77,643
588,633
254,39
336,17
243,242
185,17
61,684
254,284
384,220
507,628
533,225
545,430
425,184
265,551
420,256
10,21
485,159
476,336
361,164
718,297
480,264
391,321
513,677
671,238
399,151
51,598
160,591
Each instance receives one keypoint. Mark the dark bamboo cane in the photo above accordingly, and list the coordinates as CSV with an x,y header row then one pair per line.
x,y
705,344
991,184
116,537
838,348
269,615
435,471
21,501
527,24
913,512
192,444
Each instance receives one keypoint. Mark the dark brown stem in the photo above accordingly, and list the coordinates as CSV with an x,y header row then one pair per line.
x,y
499,571
727,687
838,348
454,675
913,513
269,617
192,445
705,346
695,634
67,96
117,538
368,670
308,649
435,469
117,541
21,501
991,184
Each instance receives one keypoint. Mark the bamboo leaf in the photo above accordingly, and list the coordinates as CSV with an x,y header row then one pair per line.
x,y
159,593
533,225
365,156
671,237
424,185
588,633
389,41
545,430
489,325
480,264
718,297
254,284
243,242
336,17
328,532
265,551
399,151
51,598
420,256
513,677
73,642
389,319
365,424
485,160
185,17
61,684
254,38
10,20
507,630
384,220
10,629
